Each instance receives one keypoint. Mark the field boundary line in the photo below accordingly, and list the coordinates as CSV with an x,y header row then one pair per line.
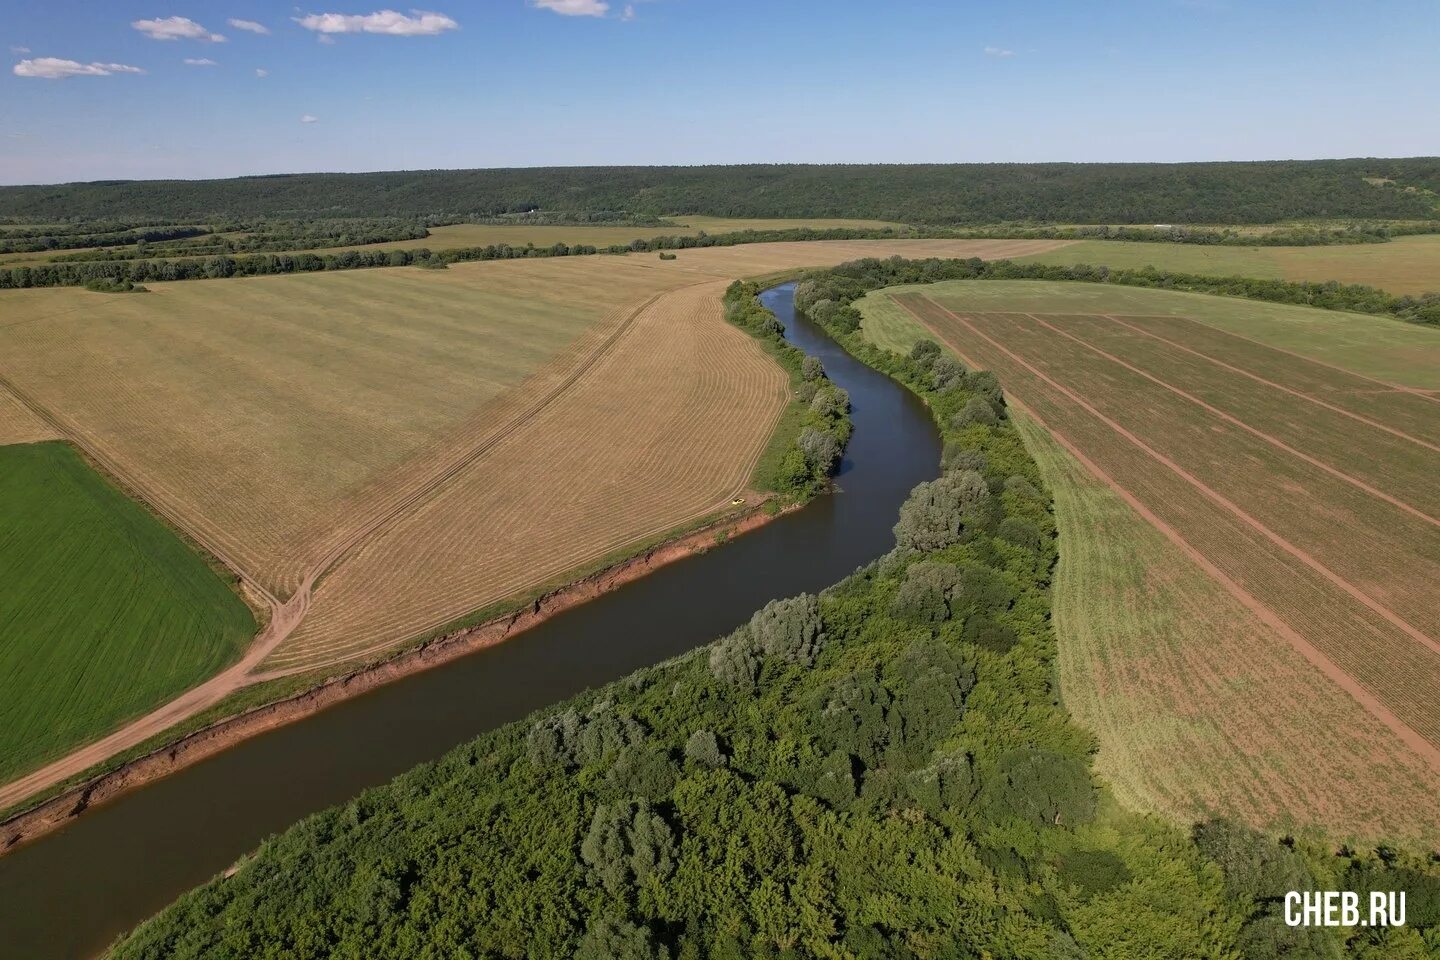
x,y
1279,386
1345,585
1230,418
1349,684
746,473
431,486
1419,392
1324,664
136,489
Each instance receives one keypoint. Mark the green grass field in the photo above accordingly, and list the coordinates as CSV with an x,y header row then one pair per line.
x,y
1405,265
104,612
1400,353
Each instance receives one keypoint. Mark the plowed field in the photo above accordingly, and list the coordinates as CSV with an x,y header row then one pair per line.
x,y
1302,490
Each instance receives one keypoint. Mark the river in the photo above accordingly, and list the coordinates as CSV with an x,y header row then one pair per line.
x,y
70,894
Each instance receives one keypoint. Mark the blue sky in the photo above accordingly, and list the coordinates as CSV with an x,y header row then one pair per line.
x,y
352,86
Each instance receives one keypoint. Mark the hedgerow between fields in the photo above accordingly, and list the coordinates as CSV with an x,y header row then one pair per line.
x,y
882,770
1328,295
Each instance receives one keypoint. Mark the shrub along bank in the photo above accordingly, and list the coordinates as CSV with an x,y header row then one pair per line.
x,y
880,770
806,446
1355,298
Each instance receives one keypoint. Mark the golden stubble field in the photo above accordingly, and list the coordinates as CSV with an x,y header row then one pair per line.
x,y
386,450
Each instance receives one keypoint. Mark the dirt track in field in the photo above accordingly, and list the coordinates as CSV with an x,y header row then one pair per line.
x,y
661,427
1310,398
286,615
1371,630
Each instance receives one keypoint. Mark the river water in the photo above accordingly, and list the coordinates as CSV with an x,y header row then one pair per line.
x,y
70,894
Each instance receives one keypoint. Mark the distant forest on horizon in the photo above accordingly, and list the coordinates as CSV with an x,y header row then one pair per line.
x,y
940,194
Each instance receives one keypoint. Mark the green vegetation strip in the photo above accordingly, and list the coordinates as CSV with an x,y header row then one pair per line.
x,y
104,612
882,770
975,193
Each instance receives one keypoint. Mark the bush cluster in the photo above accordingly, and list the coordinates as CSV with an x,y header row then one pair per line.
x,y
818,435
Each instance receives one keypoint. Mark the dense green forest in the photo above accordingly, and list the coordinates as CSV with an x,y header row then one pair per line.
x,y
884,770
1114,193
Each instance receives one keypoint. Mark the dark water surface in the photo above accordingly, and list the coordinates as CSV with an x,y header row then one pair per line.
x,y
70,894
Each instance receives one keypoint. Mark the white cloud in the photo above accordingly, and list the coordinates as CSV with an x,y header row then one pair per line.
x,y
308,118
200,62
421,24
629,13
19,49
248,25
175,28
574,8
998,52
325,38
53,68
261,72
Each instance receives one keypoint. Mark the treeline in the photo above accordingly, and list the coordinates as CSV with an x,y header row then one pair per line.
x,y
142,271
263,236
880,771
812,435
1329,295
1290,236
1135,193
40,242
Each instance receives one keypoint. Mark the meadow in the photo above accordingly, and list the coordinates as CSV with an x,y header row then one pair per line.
x,y
1404,265
1301,489
104,611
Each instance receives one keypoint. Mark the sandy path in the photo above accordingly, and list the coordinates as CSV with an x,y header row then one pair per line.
x,y
1269,438
1376,424
1409,736
1209,492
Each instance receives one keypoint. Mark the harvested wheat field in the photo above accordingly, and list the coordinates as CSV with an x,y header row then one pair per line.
x,y
1301,489
18,424
380,453
281,420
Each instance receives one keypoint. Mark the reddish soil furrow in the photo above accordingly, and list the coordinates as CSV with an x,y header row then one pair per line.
x,y
1224,502
1269,438
1419,743
1397,670
1376,424
1363,540
1416,391
1308,650
1404,410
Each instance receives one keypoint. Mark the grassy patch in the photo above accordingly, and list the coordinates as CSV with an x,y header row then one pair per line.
x,y
105,613
1406,354
1404,265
